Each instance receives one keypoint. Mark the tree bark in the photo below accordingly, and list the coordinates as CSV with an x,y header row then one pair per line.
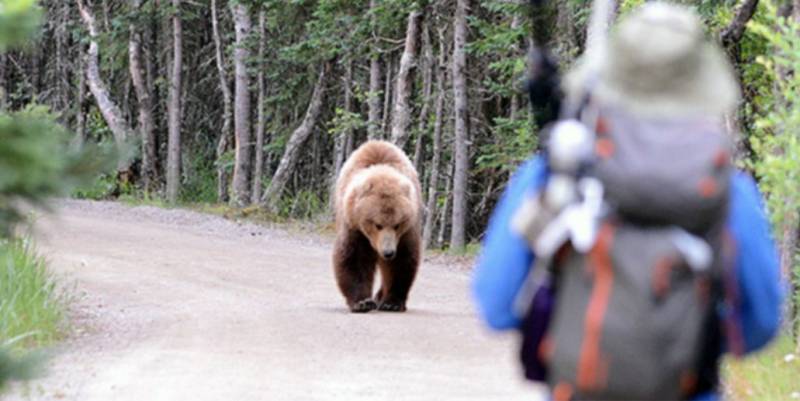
x,y
225,136
405,81
732,34
374,96
110,111
387,97
433,182
446,207
343,139
174,108
261,119
427,88
242,164
296,140
80,117
145,104
4,81
458,231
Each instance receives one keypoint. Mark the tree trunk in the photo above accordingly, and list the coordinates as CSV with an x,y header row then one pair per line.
x,y
224,141
387,97
241,168
145,104
298,137
405,81
732,34
427,87
174,108
374,96
342,140
261,120
110,111
446,207
80,117
516,21
433,182
4,81
458,231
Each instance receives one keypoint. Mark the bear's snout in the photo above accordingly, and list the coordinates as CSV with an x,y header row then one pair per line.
x,y
388,244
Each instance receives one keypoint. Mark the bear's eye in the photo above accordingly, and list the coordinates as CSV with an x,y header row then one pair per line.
x,y
379,227
397,227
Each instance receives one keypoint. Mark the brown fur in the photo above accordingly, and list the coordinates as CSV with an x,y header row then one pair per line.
x,y
377,204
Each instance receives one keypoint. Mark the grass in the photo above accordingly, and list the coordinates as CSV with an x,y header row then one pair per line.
x,y
32,305
773,374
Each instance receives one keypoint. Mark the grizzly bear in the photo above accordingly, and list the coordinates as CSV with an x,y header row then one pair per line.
x,y
377,203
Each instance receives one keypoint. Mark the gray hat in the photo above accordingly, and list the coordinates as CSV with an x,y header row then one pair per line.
x,y
657,63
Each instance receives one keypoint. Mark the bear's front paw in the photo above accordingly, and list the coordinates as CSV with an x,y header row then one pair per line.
x,y
392,307
363,306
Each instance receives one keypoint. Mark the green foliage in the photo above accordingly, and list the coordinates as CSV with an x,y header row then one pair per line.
x,y
304,204
345,121
38,162
19,21
33,305
513,143
776,141
102,187
200,185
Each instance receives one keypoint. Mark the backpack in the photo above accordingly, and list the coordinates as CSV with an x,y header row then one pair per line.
x,y
634,318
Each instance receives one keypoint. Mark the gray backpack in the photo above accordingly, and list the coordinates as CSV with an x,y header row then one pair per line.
x,y
633,319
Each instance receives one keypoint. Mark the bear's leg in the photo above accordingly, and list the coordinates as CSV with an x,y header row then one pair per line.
x,y
397,277
354,265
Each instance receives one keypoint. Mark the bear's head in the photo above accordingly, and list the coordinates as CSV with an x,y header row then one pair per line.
x,y
383,205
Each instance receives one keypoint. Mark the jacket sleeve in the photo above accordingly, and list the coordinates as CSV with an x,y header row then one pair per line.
x,y
760,292
505,257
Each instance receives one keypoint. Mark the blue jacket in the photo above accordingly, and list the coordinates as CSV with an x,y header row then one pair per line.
x,y
505,259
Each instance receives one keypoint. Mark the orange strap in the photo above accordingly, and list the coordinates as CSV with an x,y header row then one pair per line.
x,y
592,373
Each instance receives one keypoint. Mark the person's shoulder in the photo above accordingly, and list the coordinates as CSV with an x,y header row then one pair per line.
x,y
532,170
744,189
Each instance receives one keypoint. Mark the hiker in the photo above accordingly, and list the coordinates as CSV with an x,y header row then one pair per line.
x,y
654,97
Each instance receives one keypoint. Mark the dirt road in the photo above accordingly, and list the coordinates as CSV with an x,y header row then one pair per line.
x,y
178,305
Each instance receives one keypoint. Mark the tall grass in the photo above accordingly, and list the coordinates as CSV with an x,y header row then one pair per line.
x,y
32,305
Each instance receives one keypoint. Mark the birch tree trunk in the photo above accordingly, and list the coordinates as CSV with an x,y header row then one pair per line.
x,y
405,81
174,108
80,116
224,141
342,141
261,119
387,98
110,111
374,96
242,163
446,207
427,66
296,140
145,105
458,231
433,182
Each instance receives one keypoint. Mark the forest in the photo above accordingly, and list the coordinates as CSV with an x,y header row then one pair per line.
x,y
256,104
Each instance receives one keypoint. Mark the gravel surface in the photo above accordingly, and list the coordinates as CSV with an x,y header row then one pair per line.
x,y
180,305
